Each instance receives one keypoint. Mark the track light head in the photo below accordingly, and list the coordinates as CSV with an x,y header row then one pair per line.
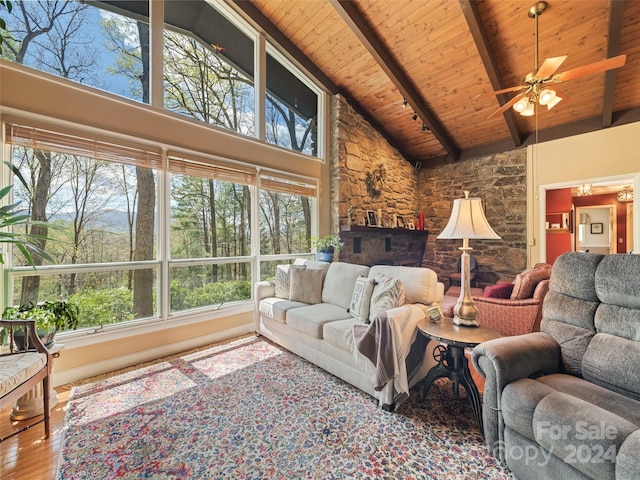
x,y
415,116
404,103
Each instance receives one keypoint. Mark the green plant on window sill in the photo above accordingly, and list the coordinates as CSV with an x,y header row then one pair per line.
x,y
328,243
51,316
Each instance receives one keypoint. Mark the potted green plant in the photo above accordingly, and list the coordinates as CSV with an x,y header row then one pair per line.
x,y
51,316
326,247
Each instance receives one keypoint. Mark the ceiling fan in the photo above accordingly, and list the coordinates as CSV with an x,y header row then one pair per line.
x,y
540,85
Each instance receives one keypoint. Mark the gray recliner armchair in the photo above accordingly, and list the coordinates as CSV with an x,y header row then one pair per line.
x,y
565,402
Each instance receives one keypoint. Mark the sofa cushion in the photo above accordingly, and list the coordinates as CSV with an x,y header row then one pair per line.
x,y
339,282
310,319
361,298
525,283
340,333
306,284
276,308
282,283
420,283
387,293
501,290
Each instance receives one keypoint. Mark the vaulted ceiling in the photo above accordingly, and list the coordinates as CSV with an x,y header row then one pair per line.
x,y
445,57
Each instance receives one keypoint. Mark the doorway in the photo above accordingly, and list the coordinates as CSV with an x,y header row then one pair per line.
x,y
596,230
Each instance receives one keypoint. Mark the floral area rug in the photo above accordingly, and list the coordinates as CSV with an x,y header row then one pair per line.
x,y
250,409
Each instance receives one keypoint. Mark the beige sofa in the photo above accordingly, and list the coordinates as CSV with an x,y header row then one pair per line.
x,y
320,329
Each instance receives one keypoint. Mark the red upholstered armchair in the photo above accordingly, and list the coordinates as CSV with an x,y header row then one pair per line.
x,y
512,308
513,317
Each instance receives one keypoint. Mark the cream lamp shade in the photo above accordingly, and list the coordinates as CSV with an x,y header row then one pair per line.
x,y
467,221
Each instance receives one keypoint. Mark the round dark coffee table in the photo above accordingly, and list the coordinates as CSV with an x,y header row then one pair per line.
x,y
452,363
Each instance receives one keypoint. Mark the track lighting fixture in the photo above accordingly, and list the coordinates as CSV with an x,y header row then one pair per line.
x,y
424,127
415,116
404,103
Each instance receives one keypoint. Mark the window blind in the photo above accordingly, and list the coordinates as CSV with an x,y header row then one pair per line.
x,y
198,167
288,185
76,144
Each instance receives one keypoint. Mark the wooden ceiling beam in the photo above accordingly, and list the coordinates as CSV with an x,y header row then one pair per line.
x,y
250,10
350,14
277,36
616,10
474,21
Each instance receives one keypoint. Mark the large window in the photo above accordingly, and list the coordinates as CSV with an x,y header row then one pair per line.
x,y
100,199
291,109
75,40
124,219
208,58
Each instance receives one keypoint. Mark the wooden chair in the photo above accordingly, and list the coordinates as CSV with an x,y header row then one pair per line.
x,y
23,367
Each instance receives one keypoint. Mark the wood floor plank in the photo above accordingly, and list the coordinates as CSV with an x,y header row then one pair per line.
x,y
28,455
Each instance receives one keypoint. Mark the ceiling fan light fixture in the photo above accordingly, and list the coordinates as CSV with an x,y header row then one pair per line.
x,y
553,103
521,105
547,96
529,111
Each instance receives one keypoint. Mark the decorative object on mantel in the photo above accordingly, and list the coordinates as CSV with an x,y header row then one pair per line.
x,y
326,247
625,195
467,221
375,180
372,219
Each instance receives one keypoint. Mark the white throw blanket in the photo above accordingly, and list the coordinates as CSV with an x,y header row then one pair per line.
x,y
394,347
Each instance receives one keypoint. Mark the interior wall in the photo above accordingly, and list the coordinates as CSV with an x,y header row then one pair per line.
x,y
612,153
558,240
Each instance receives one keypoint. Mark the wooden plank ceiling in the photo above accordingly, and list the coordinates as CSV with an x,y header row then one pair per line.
x,y
445,57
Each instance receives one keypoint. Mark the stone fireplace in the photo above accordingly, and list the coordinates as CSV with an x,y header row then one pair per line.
x,y
382,246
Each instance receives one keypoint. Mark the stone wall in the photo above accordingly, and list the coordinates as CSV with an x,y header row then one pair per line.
x,y
357,149
500,180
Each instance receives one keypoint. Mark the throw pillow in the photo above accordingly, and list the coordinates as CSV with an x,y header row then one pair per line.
x,y
361,298
282,281
387,293
306,284
501,290
525,283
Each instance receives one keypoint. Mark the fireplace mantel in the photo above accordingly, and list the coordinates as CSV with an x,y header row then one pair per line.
x,y
382,245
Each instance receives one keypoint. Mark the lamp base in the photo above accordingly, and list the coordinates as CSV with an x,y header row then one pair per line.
x,y
464,322
465,312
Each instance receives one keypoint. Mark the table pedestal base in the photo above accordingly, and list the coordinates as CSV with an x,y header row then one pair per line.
x,y
453,364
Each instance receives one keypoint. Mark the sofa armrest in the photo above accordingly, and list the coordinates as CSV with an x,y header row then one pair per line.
x,y
439,294
504,360
264,289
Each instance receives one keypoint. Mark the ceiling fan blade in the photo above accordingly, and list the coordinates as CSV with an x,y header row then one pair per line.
x,y
602,66
549,66
507,105
504,90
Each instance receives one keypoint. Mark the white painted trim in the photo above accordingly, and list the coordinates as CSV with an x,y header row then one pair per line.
x,y
89,370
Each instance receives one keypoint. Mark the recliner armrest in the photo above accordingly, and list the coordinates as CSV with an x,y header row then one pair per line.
x,y
504,360
521,356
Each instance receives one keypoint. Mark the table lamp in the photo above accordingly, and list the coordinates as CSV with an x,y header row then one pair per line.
x,y
467,221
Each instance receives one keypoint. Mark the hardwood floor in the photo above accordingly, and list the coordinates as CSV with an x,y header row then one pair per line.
x,y
28,456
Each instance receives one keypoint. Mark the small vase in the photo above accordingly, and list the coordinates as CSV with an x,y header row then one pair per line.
x,y
325,255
